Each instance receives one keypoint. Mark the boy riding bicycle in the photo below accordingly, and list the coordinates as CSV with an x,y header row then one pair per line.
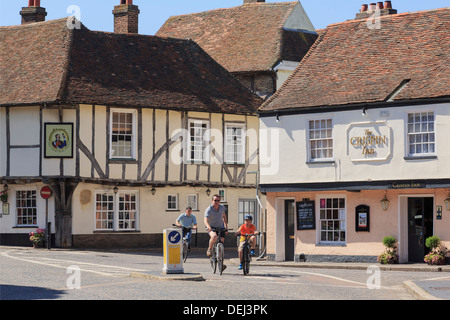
x,y
246,228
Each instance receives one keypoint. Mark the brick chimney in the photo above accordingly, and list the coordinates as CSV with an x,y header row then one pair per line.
x,y
368,10
253,1
126,17
33,13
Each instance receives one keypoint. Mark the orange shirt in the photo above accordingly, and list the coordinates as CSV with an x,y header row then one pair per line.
x,y
246,230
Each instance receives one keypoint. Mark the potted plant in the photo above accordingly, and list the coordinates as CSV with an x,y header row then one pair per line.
x,y
390,255
437,251
37,238
4,196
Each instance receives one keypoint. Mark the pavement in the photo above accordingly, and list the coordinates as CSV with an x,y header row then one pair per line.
x,y
431,289
436,289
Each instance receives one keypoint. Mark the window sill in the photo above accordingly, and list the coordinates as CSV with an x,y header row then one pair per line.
x,y
331,245
120,161
25,227
117,231
321,162
408,158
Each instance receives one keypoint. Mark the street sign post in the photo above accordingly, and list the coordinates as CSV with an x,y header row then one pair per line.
x,y
173,253
46,193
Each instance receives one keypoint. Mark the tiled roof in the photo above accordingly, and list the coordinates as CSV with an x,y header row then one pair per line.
x,y
47,62
353,64
245,38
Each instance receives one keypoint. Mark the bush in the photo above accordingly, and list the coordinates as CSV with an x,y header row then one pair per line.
x,y
437,253
389,242
390,256
433,242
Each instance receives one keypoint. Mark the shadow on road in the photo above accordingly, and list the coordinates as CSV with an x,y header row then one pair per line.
x,y
11,292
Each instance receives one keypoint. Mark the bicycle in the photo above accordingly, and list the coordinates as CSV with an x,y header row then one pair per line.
x,y
218,250
185,241
246,253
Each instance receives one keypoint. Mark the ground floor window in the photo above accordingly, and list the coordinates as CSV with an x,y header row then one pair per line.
x,y
247,207
26,207
332,217
116,212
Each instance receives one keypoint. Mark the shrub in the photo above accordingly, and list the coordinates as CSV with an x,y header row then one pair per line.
x,y
437,253
390,255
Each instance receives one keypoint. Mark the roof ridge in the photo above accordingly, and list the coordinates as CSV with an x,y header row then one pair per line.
x,y
389,16
34,24
279,4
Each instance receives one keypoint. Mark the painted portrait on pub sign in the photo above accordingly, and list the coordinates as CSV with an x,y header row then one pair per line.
x,y
58,140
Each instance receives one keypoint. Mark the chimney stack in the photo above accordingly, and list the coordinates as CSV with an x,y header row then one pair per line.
x,y
253,1
126,17
33,13
368,10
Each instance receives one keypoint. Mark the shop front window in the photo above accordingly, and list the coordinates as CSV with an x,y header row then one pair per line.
x,y
333,224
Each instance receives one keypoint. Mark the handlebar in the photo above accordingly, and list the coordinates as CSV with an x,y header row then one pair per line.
x,y
247,235
181,227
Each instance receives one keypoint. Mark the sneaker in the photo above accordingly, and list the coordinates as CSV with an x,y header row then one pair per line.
x,y
209,253
240,266
252,253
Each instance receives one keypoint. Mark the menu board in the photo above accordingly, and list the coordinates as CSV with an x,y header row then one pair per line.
x,y
306,215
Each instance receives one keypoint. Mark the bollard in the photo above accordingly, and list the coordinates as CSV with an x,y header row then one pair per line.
x,y
173,253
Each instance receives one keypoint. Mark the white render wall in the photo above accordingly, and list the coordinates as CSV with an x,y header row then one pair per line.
x,y
284,147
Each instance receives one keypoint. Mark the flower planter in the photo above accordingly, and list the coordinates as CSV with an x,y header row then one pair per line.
x,y
38,245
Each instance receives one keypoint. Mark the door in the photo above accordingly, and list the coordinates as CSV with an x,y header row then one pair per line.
x,y
420,227
289,227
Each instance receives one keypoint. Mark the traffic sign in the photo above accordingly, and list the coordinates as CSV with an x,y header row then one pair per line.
x,y
46,192
174,237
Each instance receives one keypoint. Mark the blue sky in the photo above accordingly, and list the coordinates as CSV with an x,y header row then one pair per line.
x,y
97,14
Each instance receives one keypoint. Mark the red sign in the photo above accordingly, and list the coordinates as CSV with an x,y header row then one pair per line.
x,y
46,192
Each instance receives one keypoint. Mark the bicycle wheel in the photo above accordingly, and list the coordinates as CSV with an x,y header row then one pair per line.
x,y
246,260
185,251
213,260
219,253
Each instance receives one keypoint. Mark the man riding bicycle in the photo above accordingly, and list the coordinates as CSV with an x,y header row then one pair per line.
x,y
215,218
245,229
187,221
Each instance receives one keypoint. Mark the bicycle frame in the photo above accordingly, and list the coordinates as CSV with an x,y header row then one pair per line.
x,y
218,248
246,256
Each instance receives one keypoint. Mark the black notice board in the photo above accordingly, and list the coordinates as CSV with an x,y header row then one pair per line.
x,y
306,215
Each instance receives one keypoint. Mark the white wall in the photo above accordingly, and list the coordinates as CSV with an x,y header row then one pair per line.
x,y
285,157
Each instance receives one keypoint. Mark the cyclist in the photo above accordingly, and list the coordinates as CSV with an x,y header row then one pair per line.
x,y
187,220
247,228
215,217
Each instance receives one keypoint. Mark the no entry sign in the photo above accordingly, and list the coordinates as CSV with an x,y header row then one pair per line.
x,y
46,192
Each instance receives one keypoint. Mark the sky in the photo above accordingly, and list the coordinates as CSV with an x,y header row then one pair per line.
x,y
97,14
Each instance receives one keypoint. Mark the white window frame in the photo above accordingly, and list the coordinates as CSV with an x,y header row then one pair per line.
x,y
132,134
192,201
236,150
223,194
423,130
117,211
312,137
17,207
205,144
170,201
340,217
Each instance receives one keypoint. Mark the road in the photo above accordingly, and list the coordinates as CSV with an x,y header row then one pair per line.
x,y
28,274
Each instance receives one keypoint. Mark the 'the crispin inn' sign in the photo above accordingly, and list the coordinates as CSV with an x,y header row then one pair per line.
x,y
369,141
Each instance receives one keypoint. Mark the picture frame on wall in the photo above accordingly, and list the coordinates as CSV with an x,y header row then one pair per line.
x,y
58,140
362,218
